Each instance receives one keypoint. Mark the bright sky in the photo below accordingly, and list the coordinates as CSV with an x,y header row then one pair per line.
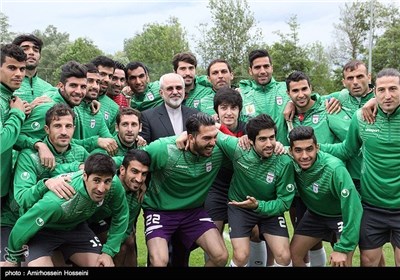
x,y
109,23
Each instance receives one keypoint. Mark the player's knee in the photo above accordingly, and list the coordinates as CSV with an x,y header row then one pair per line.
x,y
221,258
283,257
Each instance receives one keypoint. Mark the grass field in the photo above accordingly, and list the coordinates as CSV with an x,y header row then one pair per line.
x,y
197,256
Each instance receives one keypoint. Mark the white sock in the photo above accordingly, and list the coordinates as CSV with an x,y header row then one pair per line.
x,y
318,257
232,264
258,254
279,265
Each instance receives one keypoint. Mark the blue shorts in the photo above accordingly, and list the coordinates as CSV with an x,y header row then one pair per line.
x,y
188,224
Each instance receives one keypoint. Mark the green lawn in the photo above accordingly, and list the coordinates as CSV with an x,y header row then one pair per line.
x,y
197,256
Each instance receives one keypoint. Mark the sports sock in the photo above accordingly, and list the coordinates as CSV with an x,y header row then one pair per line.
x,y
318,257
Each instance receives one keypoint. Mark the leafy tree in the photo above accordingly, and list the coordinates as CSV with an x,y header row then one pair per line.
x,y
387,50
121,57
288,55
320,73
81,50
232,36
54,45
353,30
5,36
156,46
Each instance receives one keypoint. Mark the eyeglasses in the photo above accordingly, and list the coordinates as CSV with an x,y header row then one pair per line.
x,y
171,88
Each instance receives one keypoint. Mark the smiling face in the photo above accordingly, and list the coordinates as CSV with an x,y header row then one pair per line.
x,y
172,90
97,185
134,176
137,80
261,70
300,93
203,142
304,152
265,142
74,90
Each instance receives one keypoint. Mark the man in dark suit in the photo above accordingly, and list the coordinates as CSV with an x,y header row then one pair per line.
x,y
168,118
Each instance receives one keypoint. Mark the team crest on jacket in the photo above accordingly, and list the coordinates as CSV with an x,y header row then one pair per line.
x,y
106,115
39,221
196,103
345,193
25,175
92,123
279,100
270,177
208,166
315,119
249,109
150,96
315,187
35,126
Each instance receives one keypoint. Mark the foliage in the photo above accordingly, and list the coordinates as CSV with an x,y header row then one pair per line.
x,y
81,50
156,46
387,50
232,36
353,31
5,36
54,45
287,55
120,57
320,72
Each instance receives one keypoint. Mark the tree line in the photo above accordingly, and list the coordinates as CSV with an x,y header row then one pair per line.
x,y
232,33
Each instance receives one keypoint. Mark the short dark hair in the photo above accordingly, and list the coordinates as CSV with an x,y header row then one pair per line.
x,y
353,65
136,64
57,111
258,123
257,54
100,164
302,133
388,72
103,61
72,69
120,65
91,68
218,60
296,76
227,95
30,38
187,57
13,51
194,122
126,111
135,154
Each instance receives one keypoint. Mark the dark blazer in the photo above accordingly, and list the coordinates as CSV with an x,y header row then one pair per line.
x,y
156,122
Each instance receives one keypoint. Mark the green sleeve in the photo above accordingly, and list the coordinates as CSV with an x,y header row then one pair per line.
x,y
28,225
285,191
11,128
228,144
27,189
89,144
119,222
65,168
350,202
349,148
